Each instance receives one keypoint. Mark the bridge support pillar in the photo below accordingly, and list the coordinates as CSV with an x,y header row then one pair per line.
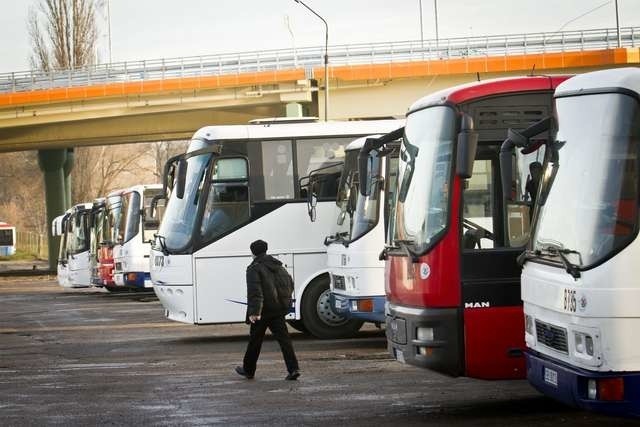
x,y
52,164
293,109
67,168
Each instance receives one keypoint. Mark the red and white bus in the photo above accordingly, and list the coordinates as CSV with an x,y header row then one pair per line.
x,y
452,279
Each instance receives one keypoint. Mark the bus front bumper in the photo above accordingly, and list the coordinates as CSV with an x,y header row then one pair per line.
x,y
367,308
426,337
177,302
607,392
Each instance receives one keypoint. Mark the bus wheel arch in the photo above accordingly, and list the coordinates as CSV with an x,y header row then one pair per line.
x,y
317,315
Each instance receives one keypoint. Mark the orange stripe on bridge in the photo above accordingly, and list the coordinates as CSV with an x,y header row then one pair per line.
x,y
393,70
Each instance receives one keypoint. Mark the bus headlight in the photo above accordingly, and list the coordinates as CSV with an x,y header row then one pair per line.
x,y
528,324
424,334
583,343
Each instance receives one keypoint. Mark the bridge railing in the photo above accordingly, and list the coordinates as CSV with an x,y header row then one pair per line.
x,y
310,57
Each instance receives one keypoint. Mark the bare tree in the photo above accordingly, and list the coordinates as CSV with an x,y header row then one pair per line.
x,y
162,151
63,34
22,191
100,170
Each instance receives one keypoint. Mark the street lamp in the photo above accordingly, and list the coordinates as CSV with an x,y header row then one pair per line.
x,y
326,59
618,25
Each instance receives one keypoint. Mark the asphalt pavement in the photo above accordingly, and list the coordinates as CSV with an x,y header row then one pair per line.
x,y
88,357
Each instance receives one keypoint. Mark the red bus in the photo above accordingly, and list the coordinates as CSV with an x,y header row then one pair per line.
x,y
452,276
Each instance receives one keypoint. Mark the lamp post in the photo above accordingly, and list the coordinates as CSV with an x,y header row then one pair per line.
x,y
435,14
618,25
326,59
421,26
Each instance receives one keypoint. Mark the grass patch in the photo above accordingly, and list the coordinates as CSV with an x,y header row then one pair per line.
x,y
19,256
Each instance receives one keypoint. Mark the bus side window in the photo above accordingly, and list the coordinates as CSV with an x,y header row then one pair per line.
x,y
277,170
478,208
527,172
323,158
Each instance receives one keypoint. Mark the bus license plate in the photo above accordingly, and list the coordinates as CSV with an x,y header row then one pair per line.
x,y
399,355
551,377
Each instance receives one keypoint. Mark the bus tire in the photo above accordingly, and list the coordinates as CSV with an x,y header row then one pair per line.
x,y
318,316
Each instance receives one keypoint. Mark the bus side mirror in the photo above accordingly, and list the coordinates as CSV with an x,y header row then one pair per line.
x,y
363,173
181,178
311,205
467,147
153,206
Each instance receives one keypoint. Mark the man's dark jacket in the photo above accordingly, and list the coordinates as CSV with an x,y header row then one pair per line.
x,y
262,296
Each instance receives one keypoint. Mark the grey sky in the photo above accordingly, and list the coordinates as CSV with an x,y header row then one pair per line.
x,y
146,29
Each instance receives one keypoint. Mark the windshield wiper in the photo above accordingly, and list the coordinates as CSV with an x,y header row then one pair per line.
x,y
163,244
338,237
404,245
554,251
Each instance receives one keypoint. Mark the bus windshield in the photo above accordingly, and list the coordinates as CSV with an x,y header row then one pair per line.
x,y
180,216
424,172
130,216
114,209
368,207
348,182
77,233
591,210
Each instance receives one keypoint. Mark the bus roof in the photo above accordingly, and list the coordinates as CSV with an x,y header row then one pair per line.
x,y
477,90
141,188
296,130
358,143
619,78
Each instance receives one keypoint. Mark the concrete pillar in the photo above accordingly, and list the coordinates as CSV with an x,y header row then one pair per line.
x,y
67,168
293,109
52,163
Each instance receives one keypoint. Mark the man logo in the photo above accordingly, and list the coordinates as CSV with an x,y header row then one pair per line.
x,y
483,304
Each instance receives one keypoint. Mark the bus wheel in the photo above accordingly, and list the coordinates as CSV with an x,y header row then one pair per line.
x,y
318,316
298,325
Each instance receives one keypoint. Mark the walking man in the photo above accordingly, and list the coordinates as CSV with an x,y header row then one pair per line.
x,y
265,309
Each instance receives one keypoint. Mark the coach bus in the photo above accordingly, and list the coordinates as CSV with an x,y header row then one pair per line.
x,y
236,184
579,281
453,283
74,262
112,213
7,239
137,227
357,274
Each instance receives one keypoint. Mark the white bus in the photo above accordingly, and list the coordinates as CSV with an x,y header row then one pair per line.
x,y
357,274
579,281
7,239
136,230
57,229
237,184
74,264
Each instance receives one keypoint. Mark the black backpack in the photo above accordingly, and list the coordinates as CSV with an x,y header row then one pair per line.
x,y
284,287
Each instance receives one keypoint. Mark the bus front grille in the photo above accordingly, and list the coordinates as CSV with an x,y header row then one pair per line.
x,y
552,336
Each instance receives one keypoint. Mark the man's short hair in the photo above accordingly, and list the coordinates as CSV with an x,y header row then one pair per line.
x,y
258,247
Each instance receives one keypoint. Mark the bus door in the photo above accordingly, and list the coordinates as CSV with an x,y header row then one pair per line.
x,y
490,275
220,289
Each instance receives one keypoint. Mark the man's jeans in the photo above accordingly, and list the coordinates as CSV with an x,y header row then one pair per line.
x,y
278,328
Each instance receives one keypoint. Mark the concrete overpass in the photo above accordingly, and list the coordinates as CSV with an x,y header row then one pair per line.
x,y
167,99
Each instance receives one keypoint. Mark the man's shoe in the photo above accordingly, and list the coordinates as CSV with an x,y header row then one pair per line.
x,y
293,375
240,371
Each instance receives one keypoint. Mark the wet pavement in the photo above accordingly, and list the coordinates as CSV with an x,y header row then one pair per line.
x,y
88,357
